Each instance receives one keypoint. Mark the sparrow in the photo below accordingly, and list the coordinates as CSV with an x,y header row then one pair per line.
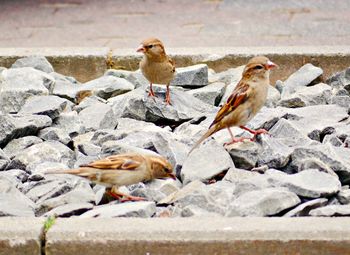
x,y
123,169
156,66
246,100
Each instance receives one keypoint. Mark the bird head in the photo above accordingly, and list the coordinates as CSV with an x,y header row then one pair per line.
x,y
152,48
161,168
258,66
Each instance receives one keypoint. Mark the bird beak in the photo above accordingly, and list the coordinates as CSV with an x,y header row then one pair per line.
x,y
141,49
269,65
172,176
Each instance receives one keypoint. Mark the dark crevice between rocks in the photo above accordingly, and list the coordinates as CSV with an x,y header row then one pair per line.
x,y
49,222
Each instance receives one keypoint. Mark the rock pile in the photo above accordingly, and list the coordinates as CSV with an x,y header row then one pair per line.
x,y
50,121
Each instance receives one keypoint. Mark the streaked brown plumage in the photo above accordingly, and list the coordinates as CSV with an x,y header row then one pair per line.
x,y
123,169
245,101
156,66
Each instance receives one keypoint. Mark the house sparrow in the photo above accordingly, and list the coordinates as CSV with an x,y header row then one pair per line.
x,y
156,66
245,101
123,169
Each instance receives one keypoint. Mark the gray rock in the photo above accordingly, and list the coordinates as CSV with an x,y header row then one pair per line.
x,y
89,101
135,78
195,211
210,94
344,196
54,134
236,175
335,158
20,175
51,106
69,210
98,116
340,80
273,97
42,168
205,162
71,123
137,105
264,202
118,147
310,183
107,86
274,153
15,126
306,96
16,85
51,151
331,210
131,209
230,76
343,101
305,208
245,154
13,202
89,149
17,145
301,78
333,140
4,160
191,76
65,87
37,62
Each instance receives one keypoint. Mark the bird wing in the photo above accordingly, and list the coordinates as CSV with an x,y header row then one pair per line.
x,y
172,63
118,162
238,96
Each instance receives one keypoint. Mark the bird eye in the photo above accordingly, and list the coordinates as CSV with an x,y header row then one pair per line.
x,y
258,67
150,46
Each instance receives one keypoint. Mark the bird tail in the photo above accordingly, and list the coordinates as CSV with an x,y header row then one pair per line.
x,y
210,131
76,171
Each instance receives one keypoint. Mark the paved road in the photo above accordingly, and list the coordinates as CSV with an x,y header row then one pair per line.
x,y
181,23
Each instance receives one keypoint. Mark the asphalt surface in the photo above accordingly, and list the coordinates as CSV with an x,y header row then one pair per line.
x,y
201,23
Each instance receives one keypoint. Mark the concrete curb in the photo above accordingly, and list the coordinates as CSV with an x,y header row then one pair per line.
x,y
176,236
88,63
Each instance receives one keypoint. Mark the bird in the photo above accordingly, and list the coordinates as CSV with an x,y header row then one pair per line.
x,y
156,65
123,169
244,103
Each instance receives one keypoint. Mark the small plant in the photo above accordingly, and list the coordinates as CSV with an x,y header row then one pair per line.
x,y
49,223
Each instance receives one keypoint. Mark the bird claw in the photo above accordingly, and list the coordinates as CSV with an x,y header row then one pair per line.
x,y
237,140
127,198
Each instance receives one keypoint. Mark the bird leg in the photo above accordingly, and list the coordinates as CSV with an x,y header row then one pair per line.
x,y
254,132
123,197
235,139
151,93
167,95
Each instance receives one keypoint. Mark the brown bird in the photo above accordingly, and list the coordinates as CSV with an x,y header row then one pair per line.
x,y
156,66
245,101
123,169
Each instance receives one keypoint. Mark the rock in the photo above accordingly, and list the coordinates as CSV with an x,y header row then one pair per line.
x,y
344,196
230,76
20,175
137,105
310,183
273,96
98,116
135,78
15,126
235,174
195,211
71,123
244,154
51,106
301,78
51,151
37,62
333,140
191,76
89,149
89,101
65,87
210,94
17,145
69,210
343,101
335,158
185,191
118,147
287,133
13,202
305,208
18,84
142,209
264,202
331,210
205,162
306,96
107,86
340,80
42,168
54,134
273,153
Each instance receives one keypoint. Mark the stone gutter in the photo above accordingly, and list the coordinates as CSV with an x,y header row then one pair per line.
x,y
203,236
88,63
